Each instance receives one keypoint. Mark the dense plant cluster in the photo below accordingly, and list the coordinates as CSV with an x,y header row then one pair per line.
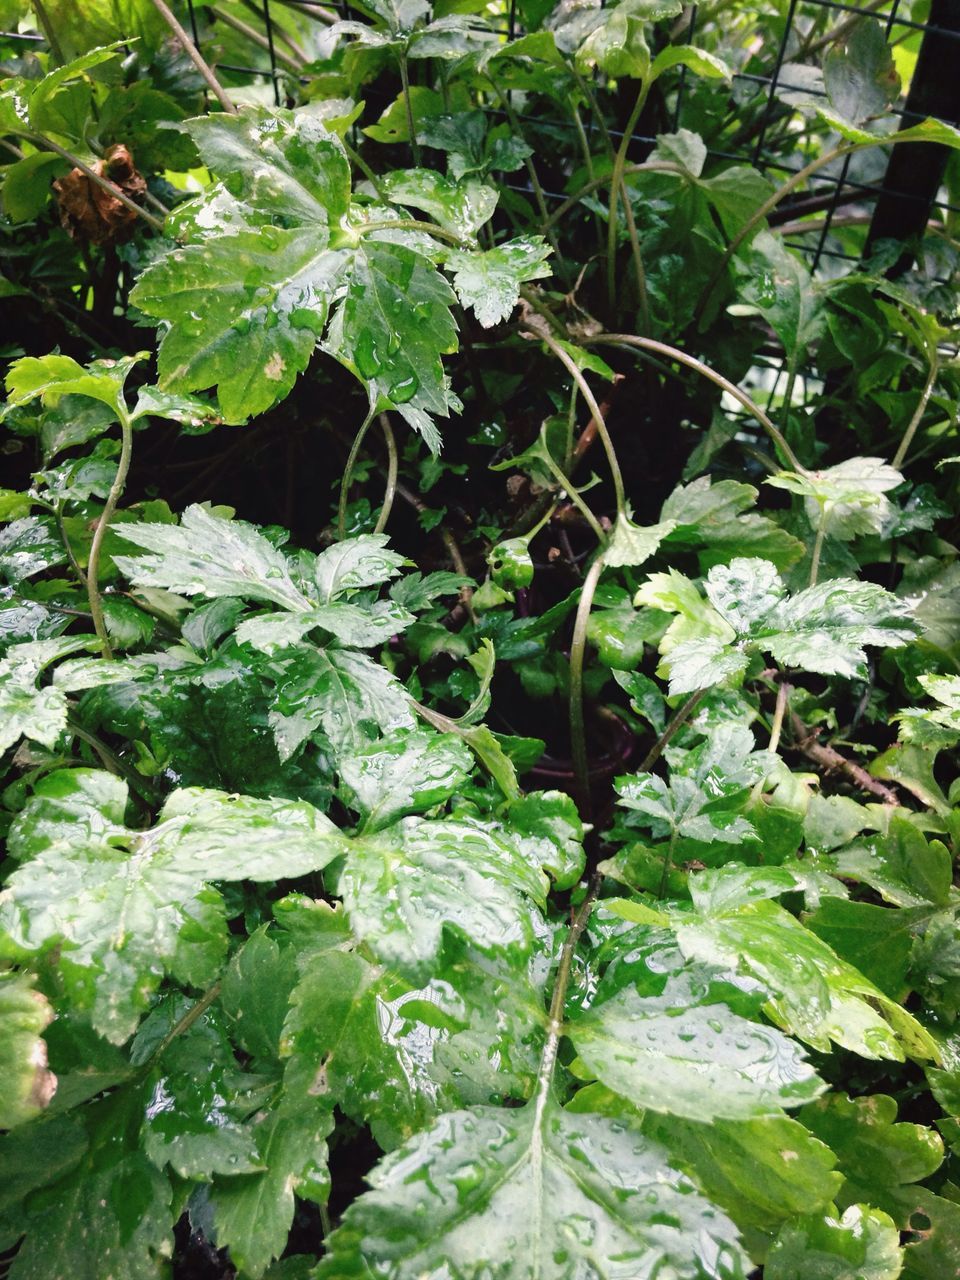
x,y
479,647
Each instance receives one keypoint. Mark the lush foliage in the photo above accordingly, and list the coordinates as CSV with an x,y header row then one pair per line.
x,y
426,857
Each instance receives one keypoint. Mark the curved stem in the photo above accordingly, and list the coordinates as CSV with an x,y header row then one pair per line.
x,y
392,467
49,29
530,167
357,159
674,353
573,494
918,413
570,365
195,1011
617,192
667,863
650,166
348,475
410,224
193,53
578,739
795,180
109,507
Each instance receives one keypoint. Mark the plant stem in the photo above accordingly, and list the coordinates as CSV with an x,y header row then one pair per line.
x,y
348,475
637,256
193,53
795,180
649,166
776,725
392,466
109,507
674,353
530,168
570,365
548,1059
364,168
578,738
680,718
572,493
410,224
40,140
667,864
255,37
616,192
918,413
408,106
195,1011
817,549
113,764
49,31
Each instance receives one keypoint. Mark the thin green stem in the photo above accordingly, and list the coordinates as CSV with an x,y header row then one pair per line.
x,y
637,255
920,410
193,53
680,718
113,764
109,507
578,737
530,168
195,1012
392,468
409,224
49,31
47,144
667,863
795,180
357,159
571,366
616,192
548,1059
674,353
604,180
573,494
817,549
408,107
347,479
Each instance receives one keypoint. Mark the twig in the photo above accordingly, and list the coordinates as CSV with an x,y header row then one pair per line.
x,y
195,56
40,140
831,761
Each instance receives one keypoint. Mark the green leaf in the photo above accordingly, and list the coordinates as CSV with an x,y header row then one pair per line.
x,y
859,73
254,993
347,695
878,1157
903,866
26,184
111,1215
710,515
674,1046
489,281
392,327
27,1085
537,1192
334,1039
700,61
403,886
407,773
877,940
284,165
459,206
49,377
25,710
847,500
354,563
243,313
631,544
775,284
813,993
211,556
863,1244
253,1212
113,902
